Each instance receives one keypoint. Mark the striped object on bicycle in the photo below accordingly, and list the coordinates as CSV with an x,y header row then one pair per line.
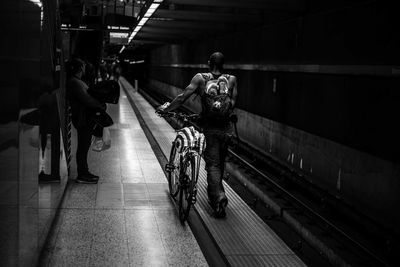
x,y
192,138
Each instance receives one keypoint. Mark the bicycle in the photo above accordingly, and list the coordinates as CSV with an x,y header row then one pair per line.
x,y
184,163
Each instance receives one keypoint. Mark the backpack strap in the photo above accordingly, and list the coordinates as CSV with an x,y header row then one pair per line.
x,y
207,76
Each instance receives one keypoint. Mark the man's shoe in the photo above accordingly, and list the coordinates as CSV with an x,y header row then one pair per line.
x,y
85,179
219,211
46,178
91,175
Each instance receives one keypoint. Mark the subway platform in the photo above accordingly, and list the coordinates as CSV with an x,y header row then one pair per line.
x,y
128,218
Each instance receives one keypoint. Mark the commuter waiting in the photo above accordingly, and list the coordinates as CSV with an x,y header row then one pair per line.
x,y
81,106
115,71
218,96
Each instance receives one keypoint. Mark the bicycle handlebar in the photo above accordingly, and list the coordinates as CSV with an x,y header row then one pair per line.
x,y
179,115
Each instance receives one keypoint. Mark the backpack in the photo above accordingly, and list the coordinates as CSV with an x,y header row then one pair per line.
x,y
216,98
105,91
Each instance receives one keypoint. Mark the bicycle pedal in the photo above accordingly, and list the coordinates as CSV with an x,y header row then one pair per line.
x,y
169,167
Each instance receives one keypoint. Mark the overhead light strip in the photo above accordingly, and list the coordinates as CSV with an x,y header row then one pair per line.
x,y
136,62
37,2
142,20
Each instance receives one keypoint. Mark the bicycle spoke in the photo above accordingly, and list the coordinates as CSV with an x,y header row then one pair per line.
x,y
174,171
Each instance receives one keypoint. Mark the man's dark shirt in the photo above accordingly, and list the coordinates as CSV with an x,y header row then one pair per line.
x,y
81,102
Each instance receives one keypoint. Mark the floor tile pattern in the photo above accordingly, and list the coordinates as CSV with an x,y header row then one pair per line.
x,y
127,219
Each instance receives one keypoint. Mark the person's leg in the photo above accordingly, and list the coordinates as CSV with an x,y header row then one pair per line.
x,y
222,200
211,157
55,153
223,152
84,140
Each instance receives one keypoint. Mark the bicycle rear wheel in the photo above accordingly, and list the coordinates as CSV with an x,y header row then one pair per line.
x,y
174,168
188,182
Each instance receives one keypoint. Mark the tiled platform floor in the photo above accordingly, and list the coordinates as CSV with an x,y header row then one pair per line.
x,y
127,219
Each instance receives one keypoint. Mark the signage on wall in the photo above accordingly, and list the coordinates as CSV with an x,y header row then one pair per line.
x,y
118,37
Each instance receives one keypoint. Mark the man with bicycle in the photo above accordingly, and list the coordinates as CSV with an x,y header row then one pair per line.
x,y
218,94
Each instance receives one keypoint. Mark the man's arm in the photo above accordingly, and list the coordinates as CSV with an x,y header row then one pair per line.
x,y
233,85
189,90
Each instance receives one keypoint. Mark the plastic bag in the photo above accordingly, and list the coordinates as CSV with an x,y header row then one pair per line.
x,y
106,138
102,143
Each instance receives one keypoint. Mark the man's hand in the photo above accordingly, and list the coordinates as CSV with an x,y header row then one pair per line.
x,y
160,109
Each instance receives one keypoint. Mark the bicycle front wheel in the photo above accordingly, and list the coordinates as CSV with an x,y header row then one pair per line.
x,y
174,168
188,182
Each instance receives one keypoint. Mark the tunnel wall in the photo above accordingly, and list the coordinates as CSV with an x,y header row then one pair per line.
x,y
319,93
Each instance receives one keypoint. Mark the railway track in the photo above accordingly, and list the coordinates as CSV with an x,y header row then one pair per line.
x,y
302,214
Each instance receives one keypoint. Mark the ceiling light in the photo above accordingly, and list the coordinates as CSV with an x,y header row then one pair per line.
x,y
142,21
154,6
37,2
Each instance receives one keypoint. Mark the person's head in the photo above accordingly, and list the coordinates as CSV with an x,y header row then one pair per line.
x,y
116,69
216,61
76,67
89,74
